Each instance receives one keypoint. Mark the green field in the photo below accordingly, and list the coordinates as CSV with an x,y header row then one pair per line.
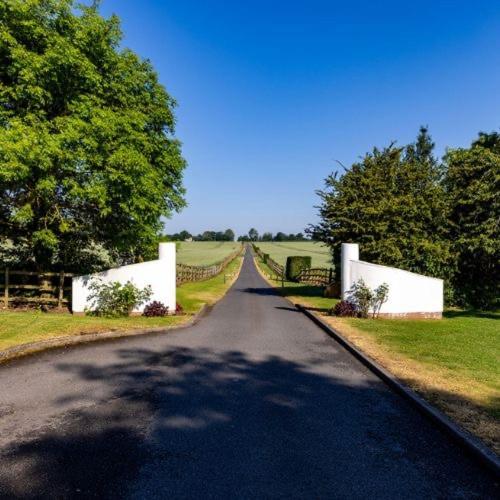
x,y
204,253
279,251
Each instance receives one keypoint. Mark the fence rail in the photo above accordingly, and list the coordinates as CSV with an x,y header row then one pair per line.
x,y
49,288
320,276
187,274
276,268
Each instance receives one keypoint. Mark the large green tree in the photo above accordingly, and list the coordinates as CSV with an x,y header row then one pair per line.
x,y
393,204
88,157
473,183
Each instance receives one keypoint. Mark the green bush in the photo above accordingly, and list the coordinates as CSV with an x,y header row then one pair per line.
x,y
265,257
114,299
295,264
364,298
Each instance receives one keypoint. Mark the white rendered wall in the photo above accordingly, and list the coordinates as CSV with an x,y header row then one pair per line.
x,y
159,274
409,293
349,252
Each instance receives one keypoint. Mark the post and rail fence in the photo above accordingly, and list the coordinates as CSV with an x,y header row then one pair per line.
x,y
320,276
31,287
188,274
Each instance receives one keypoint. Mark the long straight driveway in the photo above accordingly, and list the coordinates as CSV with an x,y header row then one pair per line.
x,y
254,401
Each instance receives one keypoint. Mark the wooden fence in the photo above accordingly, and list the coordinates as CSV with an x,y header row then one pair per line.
x,y
320,276
186,274
30,287
276,268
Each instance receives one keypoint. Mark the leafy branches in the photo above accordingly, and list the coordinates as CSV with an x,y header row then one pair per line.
x,y
88,155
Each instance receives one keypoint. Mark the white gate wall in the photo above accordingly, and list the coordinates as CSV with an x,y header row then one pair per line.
x,y
159,274
410,294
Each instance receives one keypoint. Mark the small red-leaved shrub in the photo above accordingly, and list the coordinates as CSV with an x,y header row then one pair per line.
x,y
155,308
178,309
344,308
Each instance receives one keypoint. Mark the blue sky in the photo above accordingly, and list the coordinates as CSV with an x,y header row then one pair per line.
x,y
272,93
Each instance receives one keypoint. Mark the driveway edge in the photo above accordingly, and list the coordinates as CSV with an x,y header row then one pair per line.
x,y
32,348
470,444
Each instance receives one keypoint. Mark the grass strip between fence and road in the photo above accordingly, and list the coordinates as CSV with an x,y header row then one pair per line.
x,y
26,327
453,363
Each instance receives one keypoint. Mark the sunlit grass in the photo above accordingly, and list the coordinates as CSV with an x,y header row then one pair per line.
x,y
204,253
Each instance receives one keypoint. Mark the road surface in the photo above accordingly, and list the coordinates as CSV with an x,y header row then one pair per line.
x,y
254,401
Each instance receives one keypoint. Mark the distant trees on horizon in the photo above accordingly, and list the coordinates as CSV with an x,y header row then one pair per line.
x,y
253,235
229,235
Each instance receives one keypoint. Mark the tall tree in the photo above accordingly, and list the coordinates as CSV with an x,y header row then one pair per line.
x,y
253,234
87,149
229,235
473,182
393,204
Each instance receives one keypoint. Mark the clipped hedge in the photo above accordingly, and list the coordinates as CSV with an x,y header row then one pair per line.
x,y
295,264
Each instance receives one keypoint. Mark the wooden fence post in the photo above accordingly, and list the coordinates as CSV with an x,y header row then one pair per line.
x,y
61,290
6,289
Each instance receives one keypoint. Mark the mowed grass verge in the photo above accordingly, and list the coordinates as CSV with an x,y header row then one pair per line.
x,y
204,253
23,327
298,293
454,362
279,251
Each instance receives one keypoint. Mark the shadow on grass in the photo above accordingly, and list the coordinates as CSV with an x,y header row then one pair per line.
x,y
197,423
471,313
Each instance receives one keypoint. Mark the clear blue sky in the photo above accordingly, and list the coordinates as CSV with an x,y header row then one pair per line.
x,y
271,93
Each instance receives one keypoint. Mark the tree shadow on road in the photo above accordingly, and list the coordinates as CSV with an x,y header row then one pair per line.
x,y
197,423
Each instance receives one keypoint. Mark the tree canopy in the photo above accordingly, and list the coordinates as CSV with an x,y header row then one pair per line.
x,y
473,183
392,204
406,209
88,157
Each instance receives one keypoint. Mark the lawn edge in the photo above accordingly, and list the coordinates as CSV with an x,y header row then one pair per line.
x,y
32,348
467,441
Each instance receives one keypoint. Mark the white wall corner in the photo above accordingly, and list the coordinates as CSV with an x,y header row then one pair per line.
x,y
159,274
349,252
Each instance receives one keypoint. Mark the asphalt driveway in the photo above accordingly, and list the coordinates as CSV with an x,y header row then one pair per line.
x,y
254,401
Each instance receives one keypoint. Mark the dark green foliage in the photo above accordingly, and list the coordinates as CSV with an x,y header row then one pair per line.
x,y
409,211
265,257
295,264
473,184
393,204
88,159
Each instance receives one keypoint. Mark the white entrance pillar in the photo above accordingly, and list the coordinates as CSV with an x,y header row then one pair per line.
x,y
167,255
349,251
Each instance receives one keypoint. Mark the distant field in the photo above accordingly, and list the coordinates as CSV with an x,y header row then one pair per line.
x,y
279,251
204,253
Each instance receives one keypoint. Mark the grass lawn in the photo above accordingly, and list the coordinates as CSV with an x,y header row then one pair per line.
x,y
25,326
279,251
204,253
22,327
308,295
193,295
453,362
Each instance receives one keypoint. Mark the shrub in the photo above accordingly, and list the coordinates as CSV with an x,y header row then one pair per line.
x,y
179,309
155,308
114,299
295,264
364,298
265,257
344,308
